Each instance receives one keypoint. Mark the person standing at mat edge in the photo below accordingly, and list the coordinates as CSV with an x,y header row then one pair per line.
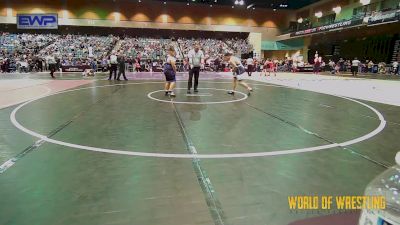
x,y
121,66
250,66
196,58
113,66
354,66
170,72
238,71
51,61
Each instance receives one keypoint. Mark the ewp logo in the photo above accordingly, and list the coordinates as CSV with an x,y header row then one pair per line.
x,y
37,21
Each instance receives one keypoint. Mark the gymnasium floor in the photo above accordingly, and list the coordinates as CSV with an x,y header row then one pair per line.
x,y
98,152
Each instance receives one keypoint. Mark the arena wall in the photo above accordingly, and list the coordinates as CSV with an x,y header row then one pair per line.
x,y
154,15
348,6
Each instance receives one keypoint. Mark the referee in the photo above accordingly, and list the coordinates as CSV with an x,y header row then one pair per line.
x,y
196,58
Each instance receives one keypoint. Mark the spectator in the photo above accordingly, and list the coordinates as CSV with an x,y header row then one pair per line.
x,y
121,67
113,66
382,68
370,66
51,61
395,67
354,66
250,65
341,65
332,66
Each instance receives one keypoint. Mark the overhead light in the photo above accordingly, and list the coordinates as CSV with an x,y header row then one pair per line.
x,y
210,5
165,3
249,6
337,9
365,2
239,2
188,3
274,10
233,7
318,14
300,20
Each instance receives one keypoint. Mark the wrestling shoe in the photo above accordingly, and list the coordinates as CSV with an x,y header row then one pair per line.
x,y
249,91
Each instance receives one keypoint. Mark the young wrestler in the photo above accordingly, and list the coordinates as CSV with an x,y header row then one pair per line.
x,y
238,71
271,67
170,72
265,68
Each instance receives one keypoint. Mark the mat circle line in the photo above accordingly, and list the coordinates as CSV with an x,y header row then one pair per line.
x,y
149,95
14,121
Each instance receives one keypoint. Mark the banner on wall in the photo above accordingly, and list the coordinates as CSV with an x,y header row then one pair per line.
x,y
292,44
329,27
386,17
37,21
75,68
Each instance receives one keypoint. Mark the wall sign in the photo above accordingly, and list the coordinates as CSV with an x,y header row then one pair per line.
x,y
37,21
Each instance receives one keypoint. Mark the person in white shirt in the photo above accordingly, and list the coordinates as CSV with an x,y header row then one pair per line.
x,y
196,58
250,66
51,61
113,65
238,71
354,66
395,66
23,66
88,72
332,66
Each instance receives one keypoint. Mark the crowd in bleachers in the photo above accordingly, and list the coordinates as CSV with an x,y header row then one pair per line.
x,y
239,46
22,50
318,65
79,49
17,45
367,66
330,66
148,48
28,52
212,48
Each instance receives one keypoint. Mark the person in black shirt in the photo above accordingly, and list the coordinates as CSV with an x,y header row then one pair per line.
x,y
40,64
7,63
217,64
121,67
341,65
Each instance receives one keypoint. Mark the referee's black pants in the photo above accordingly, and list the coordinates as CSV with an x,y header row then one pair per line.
x,y
196,72
113,70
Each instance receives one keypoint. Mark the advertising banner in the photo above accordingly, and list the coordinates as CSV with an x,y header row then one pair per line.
x,y
37,21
